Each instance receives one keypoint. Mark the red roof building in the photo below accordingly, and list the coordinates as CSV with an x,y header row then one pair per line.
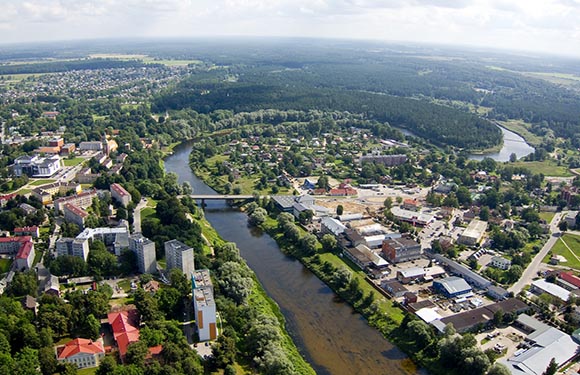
x,y
125,332
32,231
23,249
82,352
570,278
342,192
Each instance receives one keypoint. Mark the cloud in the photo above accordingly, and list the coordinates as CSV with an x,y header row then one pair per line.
x,y
546,25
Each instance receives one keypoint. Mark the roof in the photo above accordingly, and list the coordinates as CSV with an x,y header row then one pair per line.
x,y
551,289
454,285
77,346
463,271
412,272
468,319
124,329
428,314
25,250
76,210
333,225
532,323
570,278
394,286
119,190
26,229
401,243
284,201
475,229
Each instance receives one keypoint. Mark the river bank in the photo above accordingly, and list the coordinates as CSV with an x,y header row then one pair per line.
x,y
333,339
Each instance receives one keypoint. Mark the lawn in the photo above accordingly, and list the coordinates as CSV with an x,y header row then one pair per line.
x,y
86,371
72,162
546,167
548,216
41,182
24,191
5,265
560,248
522,128
125,284
147,212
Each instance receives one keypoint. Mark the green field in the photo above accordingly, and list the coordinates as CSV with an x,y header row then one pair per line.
x,y
522,128
548,216
5,265
73,162
147,212
41,182
560,248
86,371
546,167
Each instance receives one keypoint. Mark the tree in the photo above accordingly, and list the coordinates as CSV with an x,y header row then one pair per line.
x,y
513,157
552,368
388,203
484,213
26,362
136,353
308,243
258,216
107,366
339,209
48,363
563,225
23,283
179,281
420,333
329,242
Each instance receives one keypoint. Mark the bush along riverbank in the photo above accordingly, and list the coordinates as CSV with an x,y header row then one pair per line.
x,y
449,353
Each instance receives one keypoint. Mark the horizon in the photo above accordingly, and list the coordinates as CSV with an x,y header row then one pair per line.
x,y
536,26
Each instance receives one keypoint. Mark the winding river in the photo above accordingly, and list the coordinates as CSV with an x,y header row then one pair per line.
x,y
512,143
333,338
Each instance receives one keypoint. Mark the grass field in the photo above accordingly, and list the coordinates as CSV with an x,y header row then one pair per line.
x,y
560,248
147,212
546,167
86,371
548,216
24,191
5,265
41,182
73,162
522,128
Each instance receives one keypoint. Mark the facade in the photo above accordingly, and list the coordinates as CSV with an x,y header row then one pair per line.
x,y
32,231
25,256
120,194
410,274
452,287
329,225
204,306
179,255
35,166
74,214
82,200
72,246
81,352
473,234
501,263
402,249
68,149
145,250
91,146
44,193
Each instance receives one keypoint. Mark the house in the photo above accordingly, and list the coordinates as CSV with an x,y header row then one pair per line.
x,y
359,257
308,185
29,303
82,352
402,249
570,218
23,249
151,287
500,262
68,149
473,234
415,218
452,287
81,200
411,204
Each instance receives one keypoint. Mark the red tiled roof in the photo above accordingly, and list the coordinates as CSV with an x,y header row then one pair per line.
x,y
15,239
119,189
7,197
124,328
76,210
570,278
26,229
25,250
80,346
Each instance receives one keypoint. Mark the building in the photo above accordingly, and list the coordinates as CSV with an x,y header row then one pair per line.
x,y
568,280
91,146
415,218
74,214
411,204
394,288
82,200
31,231
145,250
120,194
452,287
125,331
409,275
115,238
497,293
44,193
402,249
543,344
204,305
481,317
81,352
473,234
68,149
329,225
85,176
179,255
73,247
35,166
570,218
387,160
500,262
457,269
542,286
21,247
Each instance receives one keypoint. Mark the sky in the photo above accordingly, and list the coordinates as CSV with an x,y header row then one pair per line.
x,y
548,26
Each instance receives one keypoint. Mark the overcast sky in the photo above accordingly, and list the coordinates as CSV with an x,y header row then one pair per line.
x,y
551,26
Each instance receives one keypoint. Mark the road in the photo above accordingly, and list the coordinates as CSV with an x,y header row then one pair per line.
x,y
137,215
532,269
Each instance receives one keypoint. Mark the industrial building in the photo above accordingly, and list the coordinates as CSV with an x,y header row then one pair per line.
x,y
402,249
452,287
473,234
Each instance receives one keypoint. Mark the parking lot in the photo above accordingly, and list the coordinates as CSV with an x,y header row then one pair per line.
x,y
505,340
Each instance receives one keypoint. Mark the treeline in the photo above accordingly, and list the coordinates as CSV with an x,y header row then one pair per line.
x,y
64,66
440,124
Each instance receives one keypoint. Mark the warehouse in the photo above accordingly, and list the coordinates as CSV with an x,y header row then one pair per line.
x,y
473,234
452,287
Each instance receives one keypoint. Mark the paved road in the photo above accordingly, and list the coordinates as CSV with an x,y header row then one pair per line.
x,y
137,216
534,266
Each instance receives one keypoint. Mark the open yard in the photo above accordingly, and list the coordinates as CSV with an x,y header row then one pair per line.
x,y
5,265
547,168
568,246
41,182
72,162
548,216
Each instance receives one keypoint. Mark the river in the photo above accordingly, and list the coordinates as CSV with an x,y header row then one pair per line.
x,y
332,337
512,143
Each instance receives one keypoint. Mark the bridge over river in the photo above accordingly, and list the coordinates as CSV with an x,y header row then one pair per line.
x,y
222,197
